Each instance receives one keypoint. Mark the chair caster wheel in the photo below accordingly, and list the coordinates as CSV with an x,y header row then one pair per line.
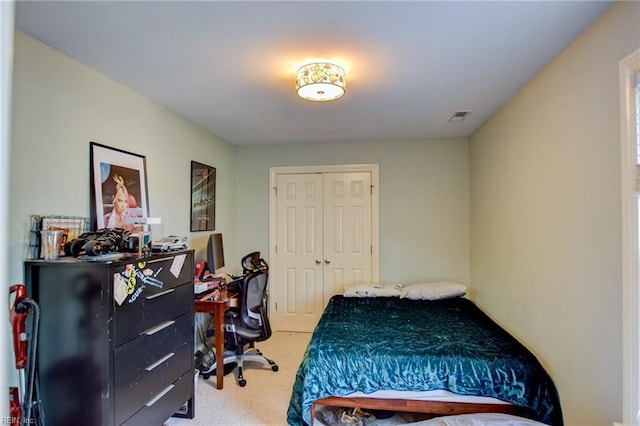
x,y
242,382
274,368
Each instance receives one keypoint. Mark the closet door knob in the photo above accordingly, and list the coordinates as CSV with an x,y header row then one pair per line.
x,y
327,261
318,261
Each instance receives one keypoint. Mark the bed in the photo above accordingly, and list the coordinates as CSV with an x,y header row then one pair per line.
x,y
365,345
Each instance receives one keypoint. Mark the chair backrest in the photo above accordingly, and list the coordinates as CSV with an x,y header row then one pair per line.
x,y
253,262
253,310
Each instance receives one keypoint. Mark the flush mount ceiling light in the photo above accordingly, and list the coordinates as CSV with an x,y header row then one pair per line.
x,y
320,81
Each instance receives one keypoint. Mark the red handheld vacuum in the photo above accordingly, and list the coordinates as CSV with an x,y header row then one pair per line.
x,y
23,409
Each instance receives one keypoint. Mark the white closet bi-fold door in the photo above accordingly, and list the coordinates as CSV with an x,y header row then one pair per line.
x,y
323,242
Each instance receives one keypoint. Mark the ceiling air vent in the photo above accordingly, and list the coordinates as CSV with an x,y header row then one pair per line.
x,y
458,116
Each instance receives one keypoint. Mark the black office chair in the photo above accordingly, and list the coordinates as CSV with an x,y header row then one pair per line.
x,y
253,262
250,263
249,323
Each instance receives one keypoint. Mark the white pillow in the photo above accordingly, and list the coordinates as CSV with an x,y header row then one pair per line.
x,y
433,291
373,290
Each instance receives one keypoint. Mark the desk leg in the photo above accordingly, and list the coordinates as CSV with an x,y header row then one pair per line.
x,y
219,340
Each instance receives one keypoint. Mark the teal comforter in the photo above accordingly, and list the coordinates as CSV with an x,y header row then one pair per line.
x,y
369,344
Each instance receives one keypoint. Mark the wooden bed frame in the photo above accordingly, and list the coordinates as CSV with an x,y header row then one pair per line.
x,y
420,406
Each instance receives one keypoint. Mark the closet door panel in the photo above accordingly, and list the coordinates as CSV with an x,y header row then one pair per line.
x,y
299,250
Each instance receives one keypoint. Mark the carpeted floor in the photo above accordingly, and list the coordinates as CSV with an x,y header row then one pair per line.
x,y
265,398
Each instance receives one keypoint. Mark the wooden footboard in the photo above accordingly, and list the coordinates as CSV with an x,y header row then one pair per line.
x,y
418,406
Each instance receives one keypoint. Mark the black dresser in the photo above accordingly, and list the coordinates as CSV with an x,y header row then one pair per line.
x,y
116,338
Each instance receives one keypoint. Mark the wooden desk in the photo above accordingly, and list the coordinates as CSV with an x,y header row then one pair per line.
x,y
216,307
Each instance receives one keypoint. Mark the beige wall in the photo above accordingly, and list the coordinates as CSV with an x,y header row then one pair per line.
x,y
424,201
546,217
60,106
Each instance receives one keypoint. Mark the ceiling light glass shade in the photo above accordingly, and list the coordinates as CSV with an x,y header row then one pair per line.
x,y
320,81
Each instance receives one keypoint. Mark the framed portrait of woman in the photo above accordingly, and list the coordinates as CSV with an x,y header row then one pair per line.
x,y
119,194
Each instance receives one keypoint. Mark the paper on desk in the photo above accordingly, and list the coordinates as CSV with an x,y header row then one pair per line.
x,y
178,263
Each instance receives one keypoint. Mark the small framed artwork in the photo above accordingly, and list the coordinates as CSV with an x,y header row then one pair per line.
x,y
119,192
71,228
203,197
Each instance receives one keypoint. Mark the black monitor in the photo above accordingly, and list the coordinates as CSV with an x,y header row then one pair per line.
x,y
215,253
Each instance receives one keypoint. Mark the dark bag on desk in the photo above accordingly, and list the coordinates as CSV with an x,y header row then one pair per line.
x,y
235,286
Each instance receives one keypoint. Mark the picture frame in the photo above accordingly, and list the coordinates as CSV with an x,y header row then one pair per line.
x,y
203,197
119,191
71,228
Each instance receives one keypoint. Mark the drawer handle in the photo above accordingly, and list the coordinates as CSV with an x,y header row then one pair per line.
x,y
160,395
153,296
160,361
159,327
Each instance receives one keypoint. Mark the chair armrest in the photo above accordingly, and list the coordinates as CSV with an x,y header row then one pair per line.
x,y
266,327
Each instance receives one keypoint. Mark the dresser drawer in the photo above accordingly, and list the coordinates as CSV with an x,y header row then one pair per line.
x,y
159,408
134,356
132,395
132,319
148,277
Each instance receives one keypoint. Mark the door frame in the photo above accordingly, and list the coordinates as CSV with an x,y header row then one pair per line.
x,y
630,246
339,168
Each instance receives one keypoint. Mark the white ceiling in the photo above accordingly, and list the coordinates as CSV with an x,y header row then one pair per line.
x,y
229,65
